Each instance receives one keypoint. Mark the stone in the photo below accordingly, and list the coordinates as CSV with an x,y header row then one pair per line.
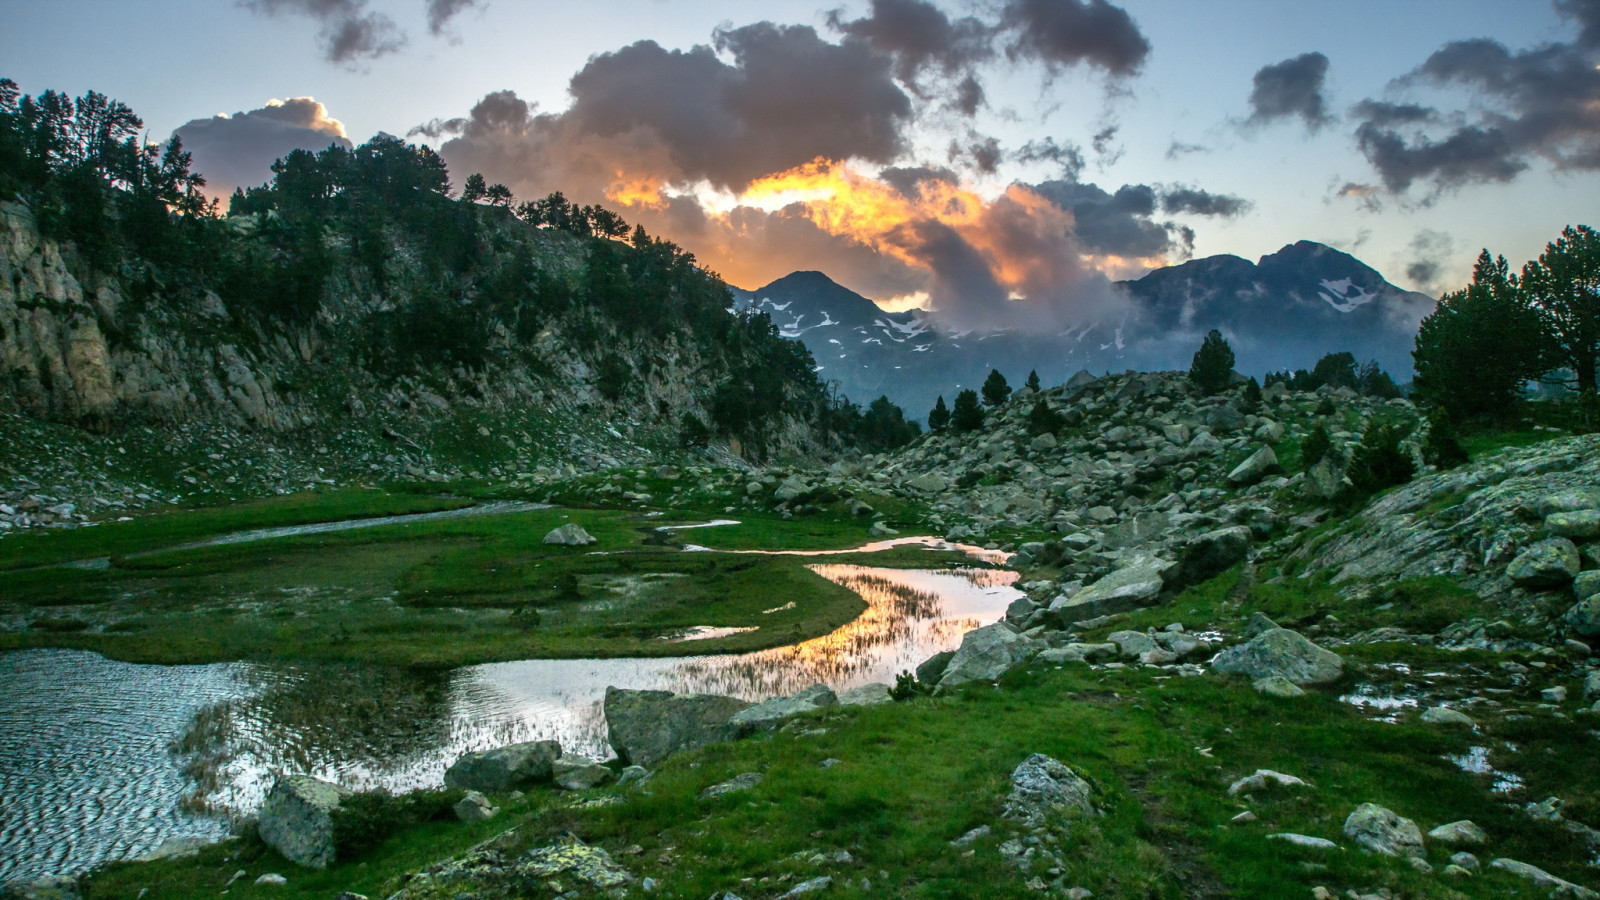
x,y
1211,554
572,858
503,768
1303,840
1444,715
1591,684
1277,686
1259,464
972,836
929,483
1465,860
1044,441
810,886
1544,879
1383,831
769,714
474,807
48,887
1042,787
791,488
1549,563
569,535
1280,652
272,879
930,670
1138,582
1579,525
1020,609
297,819
869,694
633,775
577,773
646,727
1258,624
1557,694
1465,832
985,654
1568,501
1131,644
737,783
1325,480
1263,779
1584,617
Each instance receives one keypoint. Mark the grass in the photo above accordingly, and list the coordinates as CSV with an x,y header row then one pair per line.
x,y
911,777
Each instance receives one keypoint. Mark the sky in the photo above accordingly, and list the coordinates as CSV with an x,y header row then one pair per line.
x,y
1000,162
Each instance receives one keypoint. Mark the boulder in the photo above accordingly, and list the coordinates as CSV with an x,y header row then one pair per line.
x,y
297,819
1042,787
769,714
569,535
646,727
1544,879
1280,652
1325,480
1444,715
985,654
1464,832
577,773
1569,501
1259,623
870,694
1211,554
474,807
1579,525
1584,617
1138,582
791,488
932,669
1550,563
1261,780
1586,585
1131,644
1383,831
503,768
1046,441
1259,464
1277,686
929,483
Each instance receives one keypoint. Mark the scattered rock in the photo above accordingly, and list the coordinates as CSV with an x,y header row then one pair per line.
x,y
1544,879
1584,617
1277,686
1465,832
1444,715
503,768
1283,653
570,535
297,819
1465,860
808,887
1550,563
272,879
474,807
769,714
870,694
1260,464
1303,840
576,773
1042,786
1383,831
976,834
1211,553
646,727
1263,779
742,782
985,654
1579,525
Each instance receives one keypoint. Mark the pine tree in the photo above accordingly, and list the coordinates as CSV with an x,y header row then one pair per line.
x,y
1564,284
939,416
1478,346
995,389
1212,367
1043,420
968,415
1032,383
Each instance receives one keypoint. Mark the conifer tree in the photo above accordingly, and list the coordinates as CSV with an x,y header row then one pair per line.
x,y
1479,345
967,416
1564,285
939,416
1212,367
995,389
1032,383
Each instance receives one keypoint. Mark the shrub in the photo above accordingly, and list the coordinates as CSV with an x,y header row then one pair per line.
x,y
1380,462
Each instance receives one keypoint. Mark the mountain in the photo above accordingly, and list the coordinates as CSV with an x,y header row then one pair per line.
x,y
1283,312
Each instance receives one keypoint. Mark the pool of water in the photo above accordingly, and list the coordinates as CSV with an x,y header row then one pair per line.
x,y
103,760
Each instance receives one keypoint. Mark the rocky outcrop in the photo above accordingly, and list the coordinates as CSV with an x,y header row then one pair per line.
x,y
646,727
503,768
297,819
1137,582
769,714
986,654
1280,653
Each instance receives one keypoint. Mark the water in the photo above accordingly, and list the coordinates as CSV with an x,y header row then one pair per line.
x,y
89,772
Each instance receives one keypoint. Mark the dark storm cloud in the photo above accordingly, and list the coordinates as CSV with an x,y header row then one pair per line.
x,y
238,150
1290,89
787,98
908,180
1119,223
1065,33
920,37
350,32
1203,203
440,12
1430,253
1541,103
982,154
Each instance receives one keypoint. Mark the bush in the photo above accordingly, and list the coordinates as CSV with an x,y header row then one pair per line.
x,y
1443,445
1043,420
1380,462
907,687
1316,447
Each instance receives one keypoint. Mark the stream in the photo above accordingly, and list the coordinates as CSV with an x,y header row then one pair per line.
x,y
103,760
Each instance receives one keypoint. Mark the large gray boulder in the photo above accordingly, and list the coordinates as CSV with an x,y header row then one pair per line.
x,y
1550,563
1256,467
929,483
1384,831
1579,525
1281,652
1042,787
503,768
930,670
872,693
792,487
769,714
1584,616
1138,582
1569,501
1325,480
297,819
1211,554
646,727
985,654
569,535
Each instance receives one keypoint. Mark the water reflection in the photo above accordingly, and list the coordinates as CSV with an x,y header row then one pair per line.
x,y
103,760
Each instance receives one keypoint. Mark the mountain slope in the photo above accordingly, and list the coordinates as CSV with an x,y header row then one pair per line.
x,y
1283,312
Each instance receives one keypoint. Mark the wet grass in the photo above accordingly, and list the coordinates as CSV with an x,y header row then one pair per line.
x,y
911,777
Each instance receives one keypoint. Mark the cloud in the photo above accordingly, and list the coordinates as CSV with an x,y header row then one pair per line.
x,y
1203,203
1541,103
1290,89
1067,156
350,33
1118,224
1066,33
1586,13
920,37
1178,149
1430,254
238,150
982,153
440,12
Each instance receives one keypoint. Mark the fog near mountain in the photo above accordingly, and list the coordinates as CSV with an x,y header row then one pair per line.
x,y
1283,312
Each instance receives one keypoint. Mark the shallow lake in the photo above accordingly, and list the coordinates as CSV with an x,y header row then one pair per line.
x,y
103,760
